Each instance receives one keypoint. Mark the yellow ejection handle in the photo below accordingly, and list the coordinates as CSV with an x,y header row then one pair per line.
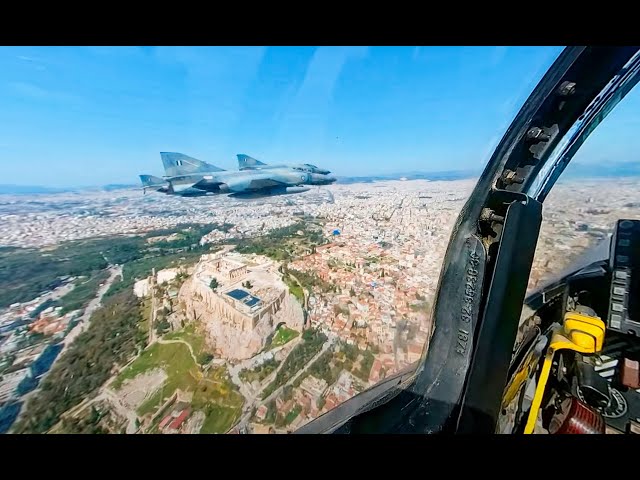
x,y
580,333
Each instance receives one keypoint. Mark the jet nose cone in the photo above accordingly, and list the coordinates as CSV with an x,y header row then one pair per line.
x,y
320,179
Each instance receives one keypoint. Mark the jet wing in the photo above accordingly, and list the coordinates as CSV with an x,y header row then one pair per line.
x,y
264,183
190,178
251,182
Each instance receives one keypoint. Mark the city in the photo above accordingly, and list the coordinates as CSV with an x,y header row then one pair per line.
x,y
239,317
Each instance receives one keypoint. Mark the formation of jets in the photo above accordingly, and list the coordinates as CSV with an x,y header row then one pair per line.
x,y
187,176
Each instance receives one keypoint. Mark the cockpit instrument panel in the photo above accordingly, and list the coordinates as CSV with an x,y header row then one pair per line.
x,y
624,301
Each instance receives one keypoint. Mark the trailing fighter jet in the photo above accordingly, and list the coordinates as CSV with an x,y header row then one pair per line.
x,y
245,162
187,176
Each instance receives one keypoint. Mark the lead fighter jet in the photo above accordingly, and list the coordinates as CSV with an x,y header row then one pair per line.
x,y
245,162
187,176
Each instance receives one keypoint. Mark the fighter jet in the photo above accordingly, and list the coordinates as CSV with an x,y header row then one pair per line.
x,y
187,176
245,162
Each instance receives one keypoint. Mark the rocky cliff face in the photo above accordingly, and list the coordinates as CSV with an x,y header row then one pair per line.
x,y
230,332
290,312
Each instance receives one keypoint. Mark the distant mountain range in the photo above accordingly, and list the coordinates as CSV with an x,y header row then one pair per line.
x,y
449,175
28,189
602,170
577,170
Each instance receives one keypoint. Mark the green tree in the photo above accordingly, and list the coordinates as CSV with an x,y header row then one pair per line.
x,y
308,335
213,284
204,358
287,393
94,416
162,325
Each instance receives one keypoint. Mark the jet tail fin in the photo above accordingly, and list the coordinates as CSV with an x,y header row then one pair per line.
x,y
149,181
247,162
156,183
180,164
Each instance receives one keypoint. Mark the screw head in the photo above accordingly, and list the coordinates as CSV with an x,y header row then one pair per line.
x,y
567,88
534,133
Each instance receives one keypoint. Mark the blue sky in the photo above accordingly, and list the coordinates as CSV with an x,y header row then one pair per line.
x,y
96,115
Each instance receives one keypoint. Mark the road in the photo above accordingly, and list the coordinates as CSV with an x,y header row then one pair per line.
x,y
58,293
154,313
324,348
83,323
249,395
250,401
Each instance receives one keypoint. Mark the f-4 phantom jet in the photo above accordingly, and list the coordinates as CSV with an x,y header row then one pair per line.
x,y
187,176
245,162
